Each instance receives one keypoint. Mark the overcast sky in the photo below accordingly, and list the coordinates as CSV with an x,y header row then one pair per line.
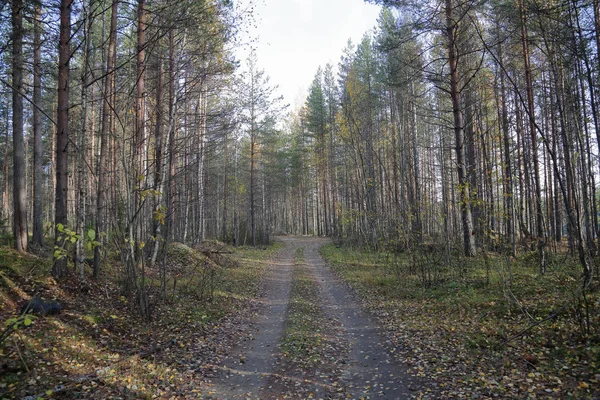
x,y
295,37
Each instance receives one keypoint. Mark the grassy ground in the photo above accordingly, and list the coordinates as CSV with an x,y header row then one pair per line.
x,y
484,328
303,334
98,347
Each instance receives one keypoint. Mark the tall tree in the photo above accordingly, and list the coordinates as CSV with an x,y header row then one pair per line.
x,y
452,35
332,104
259,108
539,215
19,165
107,106
38,173
317,118
83,140
59,268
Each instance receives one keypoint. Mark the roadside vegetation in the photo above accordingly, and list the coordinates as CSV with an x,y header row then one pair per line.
x,y
484,327
99,347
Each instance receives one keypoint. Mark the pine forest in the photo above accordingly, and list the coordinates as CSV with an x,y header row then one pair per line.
x,y
158,195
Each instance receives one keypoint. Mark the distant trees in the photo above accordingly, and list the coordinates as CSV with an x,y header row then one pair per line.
x,y
258,114
511,90
470,120
468,125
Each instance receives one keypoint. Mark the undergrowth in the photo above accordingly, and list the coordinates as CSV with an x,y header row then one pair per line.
x,y
99,347
491,325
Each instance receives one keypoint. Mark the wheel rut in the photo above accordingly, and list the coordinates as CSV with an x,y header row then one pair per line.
x,y
361,368
372,372
246,370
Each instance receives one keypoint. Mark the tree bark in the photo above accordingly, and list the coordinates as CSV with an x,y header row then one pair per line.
x,y
5,212
59,269
465,205
140,126
508,181
201,161
38,173
539,215
252,176
19,164
103,169
135,230
82,146
159,164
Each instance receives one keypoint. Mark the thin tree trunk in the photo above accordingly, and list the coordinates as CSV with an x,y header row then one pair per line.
x,y
224,230
82,144
38,173
59,269
103,167
465,205
168,198
418,227
5,206
539,217
159,167
252,173
140,140
201,162
522,167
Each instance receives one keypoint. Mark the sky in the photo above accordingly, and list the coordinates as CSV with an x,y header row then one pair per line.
x,y
295,37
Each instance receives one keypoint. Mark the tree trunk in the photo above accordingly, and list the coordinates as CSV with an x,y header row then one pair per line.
x,y
140,139
508,181
82,146
159,167
224,230
201,161
539,215
19,163
465,205
103,169
417,211
5,212
59,269
38,173
252,178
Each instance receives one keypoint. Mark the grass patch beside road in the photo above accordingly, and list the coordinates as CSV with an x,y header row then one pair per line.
x,y
473,331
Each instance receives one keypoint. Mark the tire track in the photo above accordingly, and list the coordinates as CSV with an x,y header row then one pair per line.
x,y
372,372
368,370
246,371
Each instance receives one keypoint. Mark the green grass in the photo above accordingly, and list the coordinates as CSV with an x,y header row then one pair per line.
x,y
302,339
471,312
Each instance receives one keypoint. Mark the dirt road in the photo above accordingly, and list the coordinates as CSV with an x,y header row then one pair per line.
x,y
366,370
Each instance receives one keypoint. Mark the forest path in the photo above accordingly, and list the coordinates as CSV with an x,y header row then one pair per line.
x,y
366,370
246,370
372,372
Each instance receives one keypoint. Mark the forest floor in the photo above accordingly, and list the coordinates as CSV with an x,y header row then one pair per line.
x,y
485,328
281,324
99,348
